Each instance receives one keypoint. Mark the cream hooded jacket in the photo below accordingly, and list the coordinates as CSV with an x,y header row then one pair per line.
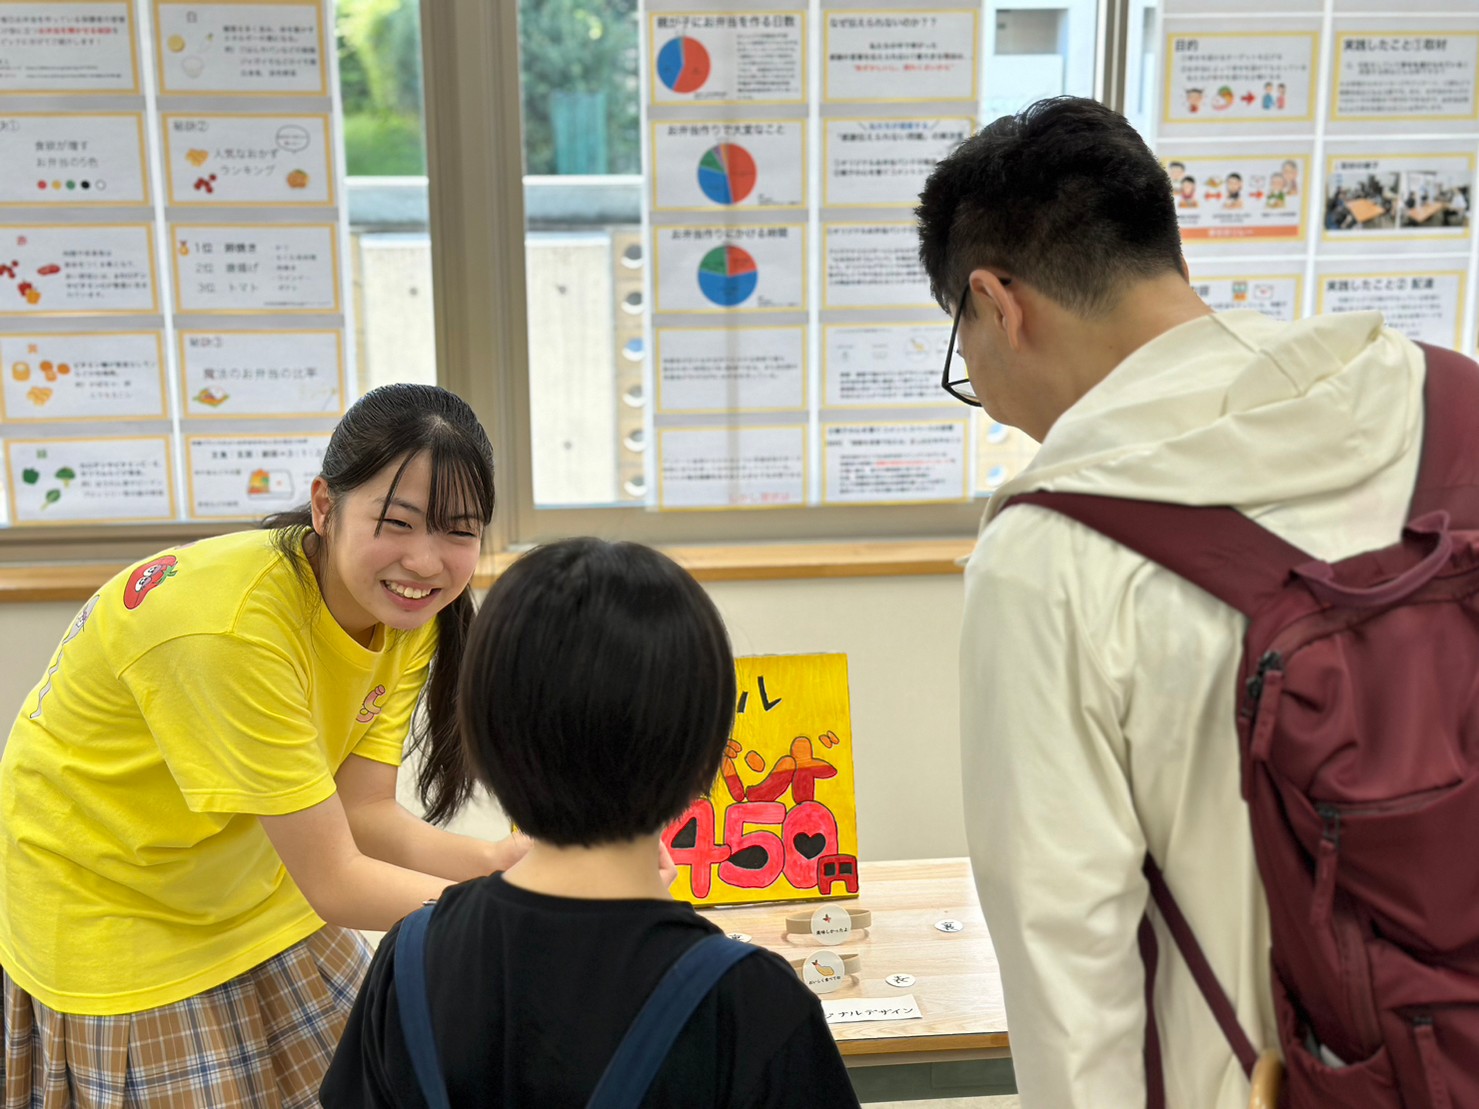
x,y
1098,694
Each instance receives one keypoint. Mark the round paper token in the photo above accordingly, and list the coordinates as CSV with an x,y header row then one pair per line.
x,y
949,926
738,936
902,981
831,925
823,971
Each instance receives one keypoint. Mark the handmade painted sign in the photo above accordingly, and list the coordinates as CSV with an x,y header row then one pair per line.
x,y
781,822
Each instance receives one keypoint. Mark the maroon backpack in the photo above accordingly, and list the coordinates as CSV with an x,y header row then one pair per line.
x,y
1358,727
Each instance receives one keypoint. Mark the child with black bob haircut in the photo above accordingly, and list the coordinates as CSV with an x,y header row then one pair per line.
x,y
598,692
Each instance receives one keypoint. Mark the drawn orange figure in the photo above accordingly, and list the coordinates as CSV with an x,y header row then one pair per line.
x,y
798,772
369,709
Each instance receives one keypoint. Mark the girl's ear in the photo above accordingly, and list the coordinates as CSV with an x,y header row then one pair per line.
x,y
320,502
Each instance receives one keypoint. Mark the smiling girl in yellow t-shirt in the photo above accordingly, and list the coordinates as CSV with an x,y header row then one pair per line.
x,y
198,799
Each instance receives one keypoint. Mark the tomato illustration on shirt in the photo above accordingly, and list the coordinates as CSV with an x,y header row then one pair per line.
x,y
149,576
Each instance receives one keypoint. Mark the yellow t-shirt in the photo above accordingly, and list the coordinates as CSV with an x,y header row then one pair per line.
x,y
195,691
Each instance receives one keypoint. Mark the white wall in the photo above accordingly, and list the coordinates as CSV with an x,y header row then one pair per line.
x,y
899,635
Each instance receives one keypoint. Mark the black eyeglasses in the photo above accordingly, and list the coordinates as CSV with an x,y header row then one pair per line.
x,y
961,388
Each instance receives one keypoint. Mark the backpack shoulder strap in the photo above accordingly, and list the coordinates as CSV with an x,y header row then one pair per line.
x,y
1216,548
1448,477
644,1049
415,1010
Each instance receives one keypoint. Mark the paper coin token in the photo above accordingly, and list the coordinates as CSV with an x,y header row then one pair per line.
x,y
738,936
949,926
902,981
823,971
831,925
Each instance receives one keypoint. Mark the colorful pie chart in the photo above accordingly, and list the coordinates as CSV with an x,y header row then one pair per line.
x,y
683,64
726,173
728,275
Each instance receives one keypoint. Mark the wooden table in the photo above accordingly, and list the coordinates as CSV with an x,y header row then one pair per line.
x,y
960,1047
1424,212
1364,210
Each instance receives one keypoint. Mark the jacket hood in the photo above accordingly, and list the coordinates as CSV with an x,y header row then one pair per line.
x,y
1238,409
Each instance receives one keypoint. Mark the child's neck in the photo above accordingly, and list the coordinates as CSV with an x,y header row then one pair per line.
x,y
608,872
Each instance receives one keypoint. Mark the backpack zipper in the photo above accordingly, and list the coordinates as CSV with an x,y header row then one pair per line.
x,y
1271,660
1327,856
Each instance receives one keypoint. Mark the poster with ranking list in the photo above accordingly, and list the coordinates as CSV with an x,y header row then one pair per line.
x,y
173,310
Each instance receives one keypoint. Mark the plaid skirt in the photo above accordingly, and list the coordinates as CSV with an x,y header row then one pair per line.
x,y
263,1040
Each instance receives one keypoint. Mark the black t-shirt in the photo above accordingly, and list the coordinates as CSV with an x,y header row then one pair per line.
x,y
531,994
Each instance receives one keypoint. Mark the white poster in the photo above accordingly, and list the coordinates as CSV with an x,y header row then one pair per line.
x,y
885,162
884,364
64,160
1407,75
1277,297
895,463
77,269
262,373
900,56
1250,78
735,57
1375,195
717,165
873,266
244,478
731,467
68,47
256,268
1427,307
76,481
247,160
211,47
1002,453
740,369
730,269
1236,195
83,376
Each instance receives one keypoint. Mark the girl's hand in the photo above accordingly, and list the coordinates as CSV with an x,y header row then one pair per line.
x,y
506,852
666,868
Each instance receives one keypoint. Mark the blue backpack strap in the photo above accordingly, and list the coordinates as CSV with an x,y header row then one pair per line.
x,y
644,1049
415,1011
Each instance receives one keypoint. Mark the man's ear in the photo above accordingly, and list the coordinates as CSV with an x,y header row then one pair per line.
x,y
1185,270
1003,307
320,501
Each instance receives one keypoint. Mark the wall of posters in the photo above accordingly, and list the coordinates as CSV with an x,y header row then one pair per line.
x,y
171,257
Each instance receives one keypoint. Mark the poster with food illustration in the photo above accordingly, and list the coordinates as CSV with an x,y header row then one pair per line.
x,y
76,269
781,821
68,481
72,160
249,160
1234,80
205,46
1238,196
228,374
82,376
247,477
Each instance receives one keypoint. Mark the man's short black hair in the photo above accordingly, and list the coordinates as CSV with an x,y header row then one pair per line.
x,y
597,692
1064,195
1230,176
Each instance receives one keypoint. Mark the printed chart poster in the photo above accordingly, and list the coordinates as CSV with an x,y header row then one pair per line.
x,y
727,269
1405,76
68,48
250,477
878,55
884,364
702,166
1255,78
1239,195
1277,297
213,47
728,57
731,467
781,823
739,369
57,481
256,268
80,376
1407,195
62,160
1427,308
76,269
874,266
894,463
262,373
883,163
1002,453
216,159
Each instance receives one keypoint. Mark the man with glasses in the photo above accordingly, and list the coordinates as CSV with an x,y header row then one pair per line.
x,y
1098,689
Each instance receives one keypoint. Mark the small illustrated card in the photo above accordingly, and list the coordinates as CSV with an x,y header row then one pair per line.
x,y
781,823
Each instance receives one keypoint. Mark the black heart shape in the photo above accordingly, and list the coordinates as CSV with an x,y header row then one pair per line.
x,y
753,857
809,846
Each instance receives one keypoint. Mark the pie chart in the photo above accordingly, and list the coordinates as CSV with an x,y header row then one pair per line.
x,y
726,173
727,275
683,64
